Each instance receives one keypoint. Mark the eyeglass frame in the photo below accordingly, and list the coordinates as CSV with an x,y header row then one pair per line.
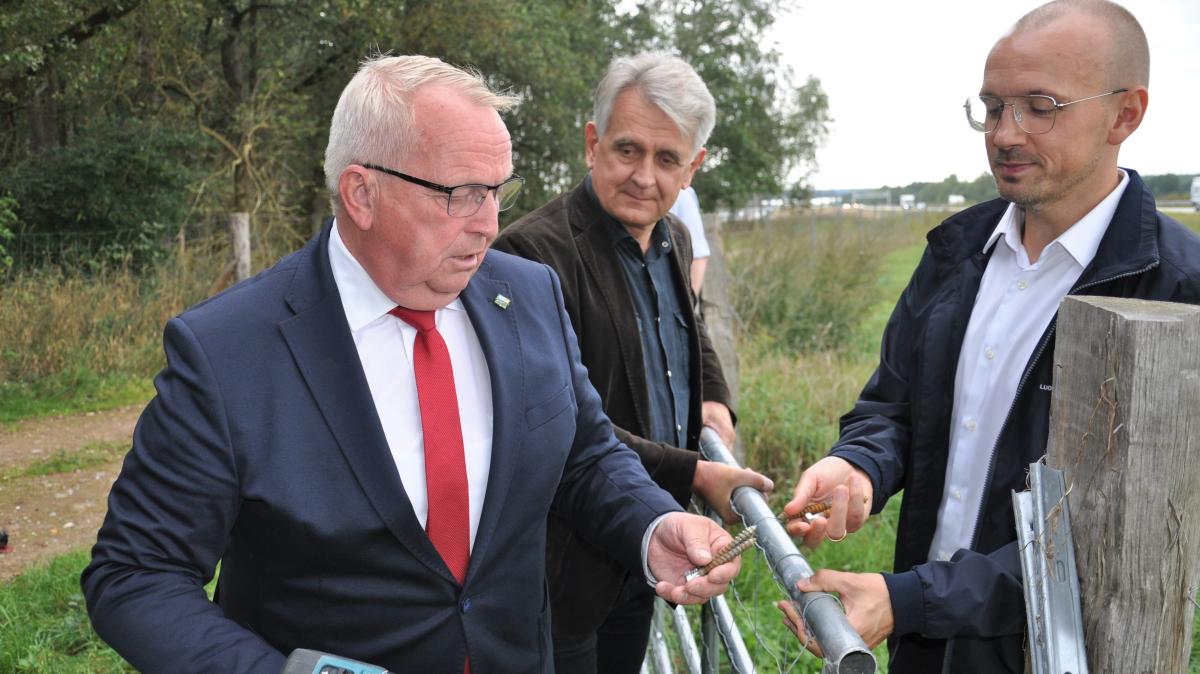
x,y
1017,116
449,190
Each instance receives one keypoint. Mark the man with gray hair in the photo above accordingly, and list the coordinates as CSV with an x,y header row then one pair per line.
x,y
624,267
370,435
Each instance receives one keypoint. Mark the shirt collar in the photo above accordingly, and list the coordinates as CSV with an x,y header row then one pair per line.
x,y
362,300
1081,240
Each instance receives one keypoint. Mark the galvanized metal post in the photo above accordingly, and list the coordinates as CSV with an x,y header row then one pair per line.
x,y
845,652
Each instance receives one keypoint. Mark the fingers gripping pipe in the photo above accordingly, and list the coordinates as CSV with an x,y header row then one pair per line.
x,y
845,652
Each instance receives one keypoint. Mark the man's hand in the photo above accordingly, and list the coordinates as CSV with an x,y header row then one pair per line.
x,y
681,542
716,416
715,482
864,596
838,482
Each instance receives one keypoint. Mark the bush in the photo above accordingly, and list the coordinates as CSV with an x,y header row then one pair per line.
x,y
117,190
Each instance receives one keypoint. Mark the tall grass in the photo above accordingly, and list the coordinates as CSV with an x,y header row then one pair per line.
x,y
812,297
72,339
812,301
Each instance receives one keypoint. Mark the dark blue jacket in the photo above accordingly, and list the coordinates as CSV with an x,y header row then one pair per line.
x,y
263,450
968,614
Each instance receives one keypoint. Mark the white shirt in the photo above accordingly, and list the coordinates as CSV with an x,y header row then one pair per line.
x,y
385,347
1016,301
687,209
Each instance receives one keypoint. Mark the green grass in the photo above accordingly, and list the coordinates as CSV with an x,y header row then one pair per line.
x,y
45,626
72,392
67,461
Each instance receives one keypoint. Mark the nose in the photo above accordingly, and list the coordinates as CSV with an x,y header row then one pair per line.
x,y
1007,132
486,220
643,172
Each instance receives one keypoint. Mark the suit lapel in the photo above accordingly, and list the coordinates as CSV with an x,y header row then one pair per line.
x,y
499,338
599,256
324,351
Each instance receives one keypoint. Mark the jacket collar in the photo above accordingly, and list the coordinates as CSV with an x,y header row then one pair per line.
x,y
1130,243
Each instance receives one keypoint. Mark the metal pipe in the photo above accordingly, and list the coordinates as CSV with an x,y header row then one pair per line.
x,y
735,647
659,656
683,631
845,651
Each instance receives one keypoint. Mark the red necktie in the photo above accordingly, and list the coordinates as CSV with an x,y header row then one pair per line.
x,y
448,522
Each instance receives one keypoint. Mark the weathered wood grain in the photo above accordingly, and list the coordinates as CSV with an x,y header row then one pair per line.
x,y
1125,428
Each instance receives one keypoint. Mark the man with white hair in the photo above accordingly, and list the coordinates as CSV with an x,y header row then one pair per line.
x,y
369,436
624,264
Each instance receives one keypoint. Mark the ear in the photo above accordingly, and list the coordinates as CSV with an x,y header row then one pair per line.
x,y
356,189
1130,114
591,137
695,166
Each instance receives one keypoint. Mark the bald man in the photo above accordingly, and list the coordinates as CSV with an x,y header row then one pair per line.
x,y
959,405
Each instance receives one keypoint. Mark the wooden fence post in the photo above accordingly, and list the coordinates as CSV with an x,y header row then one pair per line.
x,y
1125,429
718,314
239,244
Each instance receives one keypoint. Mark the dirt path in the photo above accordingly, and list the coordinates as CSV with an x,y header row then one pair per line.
x,y
49,515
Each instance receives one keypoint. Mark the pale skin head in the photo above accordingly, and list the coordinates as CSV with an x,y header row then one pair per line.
x,y
1057,177
419,255
640,164
1068,50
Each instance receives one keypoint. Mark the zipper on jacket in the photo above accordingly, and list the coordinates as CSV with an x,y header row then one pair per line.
x,y
987,482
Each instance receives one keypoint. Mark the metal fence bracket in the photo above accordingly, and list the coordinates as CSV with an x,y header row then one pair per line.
x,y
1052,608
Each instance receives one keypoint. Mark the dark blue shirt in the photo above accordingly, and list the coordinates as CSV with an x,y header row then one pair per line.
x,y
662,326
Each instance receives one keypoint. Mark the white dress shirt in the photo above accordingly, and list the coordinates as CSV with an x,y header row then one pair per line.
x,y
385,347
1016,301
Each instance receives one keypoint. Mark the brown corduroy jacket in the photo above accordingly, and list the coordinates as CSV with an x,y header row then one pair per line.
x,y
569,234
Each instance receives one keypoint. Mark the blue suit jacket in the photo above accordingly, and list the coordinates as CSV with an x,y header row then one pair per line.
x,y
263,450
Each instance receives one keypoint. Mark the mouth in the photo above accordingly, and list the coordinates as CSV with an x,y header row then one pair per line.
x,y
467,261
1010,169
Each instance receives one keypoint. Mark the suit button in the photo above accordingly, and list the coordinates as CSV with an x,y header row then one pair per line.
x,y
465,605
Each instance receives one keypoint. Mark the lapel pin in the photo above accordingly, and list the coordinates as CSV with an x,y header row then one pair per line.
x,y
502,301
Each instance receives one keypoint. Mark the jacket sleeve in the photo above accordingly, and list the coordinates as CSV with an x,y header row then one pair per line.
x,y
670,467
972,595
876,434
170,512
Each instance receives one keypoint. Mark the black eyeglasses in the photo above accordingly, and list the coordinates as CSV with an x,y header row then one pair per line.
x,y
463,201
1034,113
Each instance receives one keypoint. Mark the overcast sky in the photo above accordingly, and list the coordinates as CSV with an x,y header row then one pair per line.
x,y
897,74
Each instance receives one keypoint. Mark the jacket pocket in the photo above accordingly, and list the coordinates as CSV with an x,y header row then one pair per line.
x,y
549,408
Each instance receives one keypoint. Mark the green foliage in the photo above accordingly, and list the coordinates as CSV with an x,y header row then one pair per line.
x,y
1174,185
258,81
96,189
767,127
8,219
981,189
